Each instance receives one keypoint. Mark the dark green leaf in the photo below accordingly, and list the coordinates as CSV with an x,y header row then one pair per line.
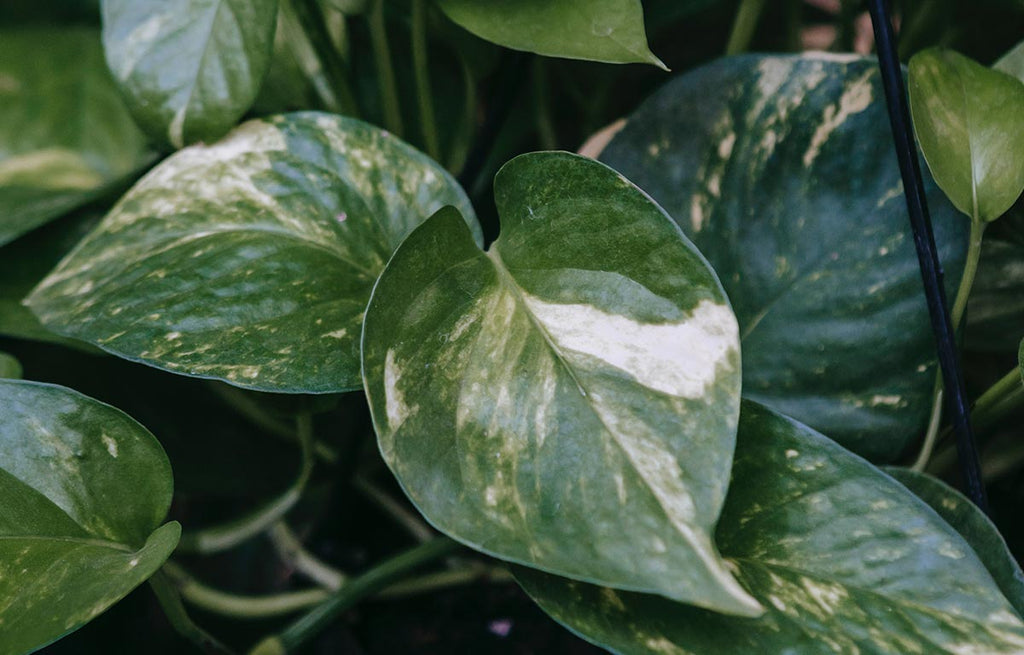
x,y
969,120
781,170
845,559
250,260
598,30
84,489
973,526
64,132
188,69
995,310
10,367
568,399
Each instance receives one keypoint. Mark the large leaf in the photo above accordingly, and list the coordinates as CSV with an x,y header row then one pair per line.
x,y
189,69
64,133
568,399
781,170
845,559
969,120
250,260
972,524
84,489
599,30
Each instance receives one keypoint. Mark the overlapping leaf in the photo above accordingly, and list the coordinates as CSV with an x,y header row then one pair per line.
x,y
781,170
189,69
568,399
969,120
64,132
995,310
844,558
85,489
599,30
251,260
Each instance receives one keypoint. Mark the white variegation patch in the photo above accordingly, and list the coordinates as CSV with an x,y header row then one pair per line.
x,y
394,399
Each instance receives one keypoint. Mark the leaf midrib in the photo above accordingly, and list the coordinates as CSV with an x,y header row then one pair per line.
x,y
82,541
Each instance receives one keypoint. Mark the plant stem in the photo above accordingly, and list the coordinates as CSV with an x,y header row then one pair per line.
x,y
1006,460
743,26
306,627
542,108
459,149
932,433
228,535
924,240
444,579
311,17
428,126
419,530
291,552
170,602
1001,398
385,69
240,606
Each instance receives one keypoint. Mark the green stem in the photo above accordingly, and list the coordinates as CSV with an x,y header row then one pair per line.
x,y
464,135
1007,460
542,108
308,626
240,606
291,552
743,26
428,126
311,17
445,579
170,602
228,535
1000,399
956,316
408,520
385,69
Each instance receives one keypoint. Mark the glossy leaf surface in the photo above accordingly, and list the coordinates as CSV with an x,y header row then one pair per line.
x,y
251,260
598,30
781,170
972,524
844,558
220,51
64,131
85,489
969,121
567,400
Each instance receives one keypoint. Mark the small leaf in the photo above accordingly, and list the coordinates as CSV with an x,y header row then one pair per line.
x,y
781,170
10,367
973,526
189,69
598,30
969,121
1012,63
250,260
65,135
845,559
84,489
568,399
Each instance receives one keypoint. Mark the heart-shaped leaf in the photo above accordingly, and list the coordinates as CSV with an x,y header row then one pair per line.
x,y
844,557
969,120
64,133
84,491
189,69
251,260
972,524
568,399
598,30
781,170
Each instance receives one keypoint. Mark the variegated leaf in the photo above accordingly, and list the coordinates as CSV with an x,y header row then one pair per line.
x,y
65,134
250,260
188,69
844,558
85,489
781,170
568,399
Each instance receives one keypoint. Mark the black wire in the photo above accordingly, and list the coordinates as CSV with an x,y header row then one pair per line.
x,y
924,240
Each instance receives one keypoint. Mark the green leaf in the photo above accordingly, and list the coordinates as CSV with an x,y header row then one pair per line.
x,y
969,120
1012,63
995,309
598,30
10,367
65,135
567,400
84,491
973,526
781,170
250,260
189,69
845,559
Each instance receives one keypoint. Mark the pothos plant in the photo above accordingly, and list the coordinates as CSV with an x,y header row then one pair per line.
x,y
660,398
